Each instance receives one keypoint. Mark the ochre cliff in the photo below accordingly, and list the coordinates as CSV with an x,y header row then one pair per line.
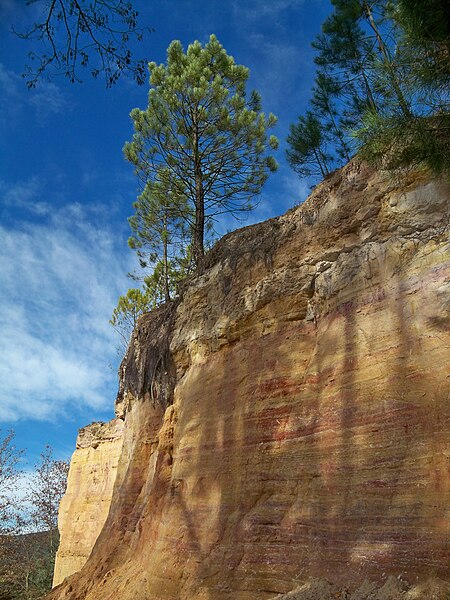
x,y
287,418
85,505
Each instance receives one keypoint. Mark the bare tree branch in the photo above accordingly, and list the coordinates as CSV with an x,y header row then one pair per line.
x,y
73,35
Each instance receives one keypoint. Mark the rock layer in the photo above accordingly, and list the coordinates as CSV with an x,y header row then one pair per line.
x,y
287,418
85,505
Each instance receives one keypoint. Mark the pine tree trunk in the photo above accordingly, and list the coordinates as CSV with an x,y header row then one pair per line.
x,y
199,227
368,90
199,231
322,168
387,60
165,264
338,133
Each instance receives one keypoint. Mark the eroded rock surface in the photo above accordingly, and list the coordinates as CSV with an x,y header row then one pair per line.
x,y
287,419
85,505
393,588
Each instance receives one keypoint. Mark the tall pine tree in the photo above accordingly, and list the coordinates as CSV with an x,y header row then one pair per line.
x,y
207,133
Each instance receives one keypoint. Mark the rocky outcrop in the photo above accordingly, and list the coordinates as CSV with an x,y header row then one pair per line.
x,y
287,418
85,505
393,588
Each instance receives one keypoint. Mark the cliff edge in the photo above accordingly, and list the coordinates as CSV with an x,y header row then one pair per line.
x,y
287,418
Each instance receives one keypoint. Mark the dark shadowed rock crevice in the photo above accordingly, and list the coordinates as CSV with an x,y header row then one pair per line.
x,y
147,370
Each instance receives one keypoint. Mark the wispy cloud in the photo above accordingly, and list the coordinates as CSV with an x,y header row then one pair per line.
x,y
280,63
46,98
296,188
60,281
277,67
257,9
8,81
23,195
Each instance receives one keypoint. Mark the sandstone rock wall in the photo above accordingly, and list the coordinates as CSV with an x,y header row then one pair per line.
x,y
86,503
288,418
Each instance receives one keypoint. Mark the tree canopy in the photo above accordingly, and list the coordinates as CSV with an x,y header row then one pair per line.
x,y
160,236
129,308
381,87
307,153
28,521
202,137
9,474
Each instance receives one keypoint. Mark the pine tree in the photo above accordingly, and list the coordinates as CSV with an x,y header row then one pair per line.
x,y
383,80
129,308
160,230
345,54
210,137
395,138
424,42
308,155
323,102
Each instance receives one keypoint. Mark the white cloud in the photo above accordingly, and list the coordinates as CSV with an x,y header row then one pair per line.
x,y
60,282
297,188
23,194
46,98
8,81
257,9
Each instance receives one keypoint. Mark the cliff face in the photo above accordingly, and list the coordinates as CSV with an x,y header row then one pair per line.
x,y
85,505
288,418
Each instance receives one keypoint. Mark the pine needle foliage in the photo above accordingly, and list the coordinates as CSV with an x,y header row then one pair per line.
x,y
129,308
203,135
382,86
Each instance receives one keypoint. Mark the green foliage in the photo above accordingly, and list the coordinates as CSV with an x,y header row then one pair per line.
x,y
345,54
26,566
162,284
424,42
159,235
129,308
425,22
421,138
201,137
325,91
307,155
392,142
158,219
382,87
27,559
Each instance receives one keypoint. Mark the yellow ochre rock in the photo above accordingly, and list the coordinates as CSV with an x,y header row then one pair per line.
x,y
85,506
286,419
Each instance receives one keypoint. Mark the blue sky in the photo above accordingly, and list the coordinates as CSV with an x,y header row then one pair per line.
x,y
66,193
